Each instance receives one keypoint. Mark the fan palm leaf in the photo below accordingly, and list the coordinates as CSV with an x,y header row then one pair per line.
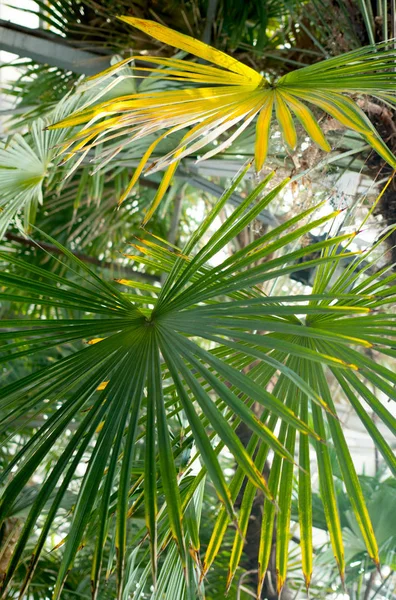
x,y
145,364
25,164
233,96
21,178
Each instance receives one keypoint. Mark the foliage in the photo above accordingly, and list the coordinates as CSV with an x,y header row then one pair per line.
x,y
233,26
24,165
78,201
379,493
235,95
177,432
121,384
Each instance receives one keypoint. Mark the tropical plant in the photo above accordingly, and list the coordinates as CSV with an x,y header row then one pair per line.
x,y
143,367
179,432
24,165
94,24
235,95
31,176
362,579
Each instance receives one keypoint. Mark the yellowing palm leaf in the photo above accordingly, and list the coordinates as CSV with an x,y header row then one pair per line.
x,y
234,95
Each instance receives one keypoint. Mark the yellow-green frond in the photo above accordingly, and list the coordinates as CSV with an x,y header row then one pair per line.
x,y
263,131
220,100
196,47
285,121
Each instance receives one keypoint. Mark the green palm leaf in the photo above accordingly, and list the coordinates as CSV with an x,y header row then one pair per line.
x,y
189,356
25,163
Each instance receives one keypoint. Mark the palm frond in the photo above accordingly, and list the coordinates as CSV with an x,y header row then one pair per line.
x,y
79,201
25,163
234,96
204,347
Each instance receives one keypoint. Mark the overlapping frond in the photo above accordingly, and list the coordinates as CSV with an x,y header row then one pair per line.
x,y
228,97
21,178
79,201
25,163
145,365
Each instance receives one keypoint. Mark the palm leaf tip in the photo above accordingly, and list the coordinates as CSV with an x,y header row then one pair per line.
x,y
228,97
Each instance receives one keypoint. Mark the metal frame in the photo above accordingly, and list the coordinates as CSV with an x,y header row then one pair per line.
x,y
47,48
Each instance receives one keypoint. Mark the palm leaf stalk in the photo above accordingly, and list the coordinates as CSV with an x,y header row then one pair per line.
x,y
231,95
145,364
